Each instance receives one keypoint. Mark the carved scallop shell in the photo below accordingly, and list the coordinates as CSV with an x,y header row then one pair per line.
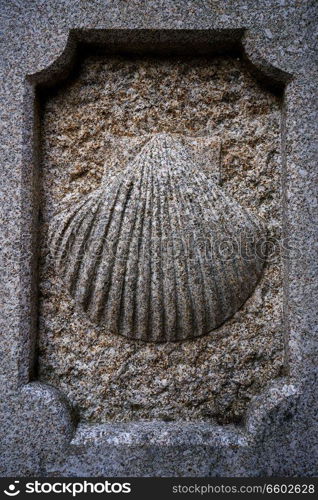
x,y
141,255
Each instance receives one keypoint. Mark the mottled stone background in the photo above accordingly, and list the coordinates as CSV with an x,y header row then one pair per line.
x,y
98,118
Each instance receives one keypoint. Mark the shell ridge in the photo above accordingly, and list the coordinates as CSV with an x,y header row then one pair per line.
x,y
139,265
127,306
102,285
178,295
255,222
206,276
114,295
137,278
55,236
75,264
150,331
172,323
169,292
140,216
56,228
213,273
239,265
69,236
85,286
158,286
121,279
175,189
201,302
144,271
227,297
250,266
122,314
132,260
185,304
171,302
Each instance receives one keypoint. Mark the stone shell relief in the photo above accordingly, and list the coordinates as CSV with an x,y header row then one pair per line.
x,y
146,254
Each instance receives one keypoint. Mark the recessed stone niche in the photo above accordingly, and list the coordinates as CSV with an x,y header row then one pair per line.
x,y
95,123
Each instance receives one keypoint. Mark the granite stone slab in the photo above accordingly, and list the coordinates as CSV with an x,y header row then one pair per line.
x,y
40,432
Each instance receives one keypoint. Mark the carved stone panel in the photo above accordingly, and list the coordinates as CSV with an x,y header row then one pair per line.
x,y
87,88
161,185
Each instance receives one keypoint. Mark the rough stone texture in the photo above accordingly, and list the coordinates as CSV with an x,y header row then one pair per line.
x,y
233,125
37,433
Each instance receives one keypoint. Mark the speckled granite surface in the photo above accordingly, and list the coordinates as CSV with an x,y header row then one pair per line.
x,y
38,432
